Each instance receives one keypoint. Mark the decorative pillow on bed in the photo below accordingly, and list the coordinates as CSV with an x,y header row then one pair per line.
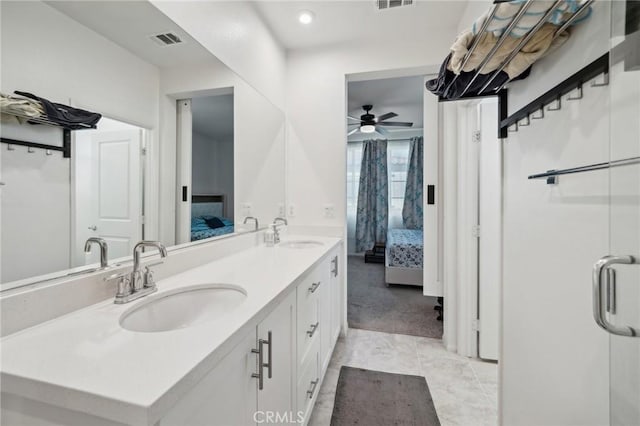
x,y
214,223
195,221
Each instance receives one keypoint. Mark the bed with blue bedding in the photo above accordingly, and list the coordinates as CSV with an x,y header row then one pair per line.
x,y
208,217
200,229
404,257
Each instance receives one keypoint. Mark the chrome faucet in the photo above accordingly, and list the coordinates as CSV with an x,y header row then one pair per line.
x,y
103,249
135,274
276,231
134,285
255,219
280,219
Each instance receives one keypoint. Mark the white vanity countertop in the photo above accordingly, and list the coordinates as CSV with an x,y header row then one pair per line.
x,y
85,361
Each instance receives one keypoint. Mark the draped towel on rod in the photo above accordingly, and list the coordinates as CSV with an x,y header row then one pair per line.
x,y
503,44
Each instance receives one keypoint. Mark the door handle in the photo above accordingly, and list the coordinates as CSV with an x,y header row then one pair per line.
x,y
269,365
93,228
261,364
259,375
603,273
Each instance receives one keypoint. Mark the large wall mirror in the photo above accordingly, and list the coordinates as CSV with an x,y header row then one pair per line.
x,y
185,150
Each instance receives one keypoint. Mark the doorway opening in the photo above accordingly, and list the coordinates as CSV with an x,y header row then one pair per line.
x,y
107,189
386,164
205,167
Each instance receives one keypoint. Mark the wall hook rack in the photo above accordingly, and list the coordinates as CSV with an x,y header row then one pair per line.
x,y
66,137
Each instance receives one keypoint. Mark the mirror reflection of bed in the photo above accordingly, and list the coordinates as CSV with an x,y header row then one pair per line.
x,y
209,217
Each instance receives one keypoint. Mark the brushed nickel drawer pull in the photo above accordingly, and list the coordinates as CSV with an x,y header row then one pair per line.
x,y
314,286
260,365
312,390
314,327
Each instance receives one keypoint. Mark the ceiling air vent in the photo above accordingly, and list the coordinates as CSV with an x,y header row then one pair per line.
x,y
166,39
391,4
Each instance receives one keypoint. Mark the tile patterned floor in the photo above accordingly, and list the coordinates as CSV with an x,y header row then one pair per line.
x,y
464,390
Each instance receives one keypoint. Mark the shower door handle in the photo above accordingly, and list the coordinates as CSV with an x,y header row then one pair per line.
x,y
603,281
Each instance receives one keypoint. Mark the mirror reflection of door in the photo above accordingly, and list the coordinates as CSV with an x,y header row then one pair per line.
x,y
107,195
206,167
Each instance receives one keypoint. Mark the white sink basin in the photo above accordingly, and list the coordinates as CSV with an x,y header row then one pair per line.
x,y
183,307
301,244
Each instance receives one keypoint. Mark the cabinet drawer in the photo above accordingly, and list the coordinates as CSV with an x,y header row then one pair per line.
x,y
308,317
308,329
308,383
309,289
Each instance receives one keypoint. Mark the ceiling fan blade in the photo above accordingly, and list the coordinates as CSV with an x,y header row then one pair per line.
x,y
353,124
353,118
386,116
396,124
353,131
382,131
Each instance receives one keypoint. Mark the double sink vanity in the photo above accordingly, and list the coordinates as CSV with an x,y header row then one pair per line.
x,y
241,340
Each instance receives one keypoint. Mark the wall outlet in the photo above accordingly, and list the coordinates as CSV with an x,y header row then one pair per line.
x,y
329,211
281,210
246,209
292,210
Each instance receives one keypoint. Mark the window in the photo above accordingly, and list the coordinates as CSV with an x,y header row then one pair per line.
x,y
397,165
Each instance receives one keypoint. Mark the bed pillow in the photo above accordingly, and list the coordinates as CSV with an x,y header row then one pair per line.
x,y
197,221
214,223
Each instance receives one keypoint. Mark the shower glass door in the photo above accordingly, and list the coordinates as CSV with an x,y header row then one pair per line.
x,y
623,283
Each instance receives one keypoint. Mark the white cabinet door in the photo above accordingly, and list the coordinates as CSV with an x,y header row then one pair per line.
x,y
226,396
278,333
325,312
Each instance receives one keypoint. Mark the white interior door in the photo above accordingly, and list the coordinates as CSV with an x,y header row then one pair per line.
x,y
619,297
183,196
113,205
490,230
432,282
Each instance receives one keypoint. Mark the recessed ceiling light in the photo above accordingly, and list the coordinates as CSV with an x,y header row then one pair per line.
x,y
305,17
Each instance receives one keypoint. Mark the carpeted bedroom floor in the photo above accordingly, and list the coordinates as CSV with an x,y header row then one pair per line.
x,y
394,309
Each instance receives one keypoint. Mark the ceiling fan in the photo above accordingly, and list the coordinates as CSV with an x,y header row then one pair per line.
x,y
368,123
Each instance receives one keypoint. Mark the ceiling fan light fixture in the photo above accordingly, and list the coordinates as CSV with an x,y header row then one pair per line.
x,y
367,128
305,17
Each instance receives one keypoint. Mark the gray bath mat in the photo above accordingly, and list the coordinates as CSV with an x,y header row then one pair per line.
x,y
374,398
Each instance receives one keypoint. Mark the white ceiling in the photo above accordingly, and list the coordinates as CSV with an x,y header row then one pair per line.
x,y
356,20
404,96
212,116
129,24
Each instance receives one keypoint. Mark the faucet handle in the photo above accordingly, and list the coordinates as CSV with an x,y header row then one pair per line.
x,y
124,283
117,276
149,281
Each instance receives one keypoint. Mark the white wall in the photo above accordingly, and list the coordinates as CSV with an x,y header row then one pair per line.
x,y
212,168
554,360
235,34
316,111
59,59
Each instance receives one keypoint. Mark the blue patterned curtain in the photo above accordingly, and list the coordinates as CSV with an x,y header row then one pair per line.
x,y
412,215
372,213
